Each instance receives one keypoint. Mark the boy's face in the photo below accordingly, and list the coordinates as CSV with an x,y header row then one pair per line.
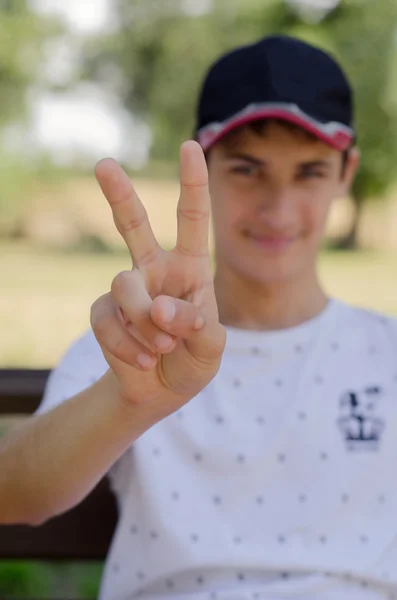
x,y
271,194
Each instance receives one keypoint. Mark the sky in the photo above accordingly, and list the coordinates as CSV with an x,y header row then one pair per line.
x,y
85,122
82,16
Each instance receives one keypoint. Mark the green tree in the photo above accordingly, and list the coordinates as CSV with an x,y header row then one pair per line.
x,y
365,40
23,35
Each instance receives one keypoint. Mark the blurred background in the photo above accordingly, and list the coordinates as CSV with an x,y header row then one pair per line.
x,y
83,80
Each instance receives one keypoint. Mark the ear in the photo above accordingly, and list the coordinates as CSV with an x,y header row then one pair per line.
x,y
352,164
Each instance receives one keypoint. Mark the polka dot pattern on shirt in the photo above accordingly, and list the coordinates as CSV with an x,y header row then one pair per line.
x,y
266,414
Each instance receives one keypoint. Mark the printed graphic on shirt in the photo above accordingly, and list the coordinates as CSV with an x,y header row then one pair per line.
x,y
358,422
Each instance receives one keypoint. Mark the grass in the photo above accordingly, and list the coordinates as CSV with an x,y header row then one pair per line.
x,y
46,300
365,279
52,581
46,295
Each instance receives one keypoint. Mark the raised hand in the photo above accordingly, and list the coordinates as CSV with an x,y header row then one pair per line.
x,y
158,327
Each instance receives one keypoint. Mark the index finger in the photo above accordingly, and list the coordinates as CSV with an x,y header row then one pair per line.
x,y
194,206
129,214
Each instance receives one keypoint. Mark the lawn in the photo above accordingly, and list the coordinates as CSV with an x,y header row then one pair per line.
x,y
46,295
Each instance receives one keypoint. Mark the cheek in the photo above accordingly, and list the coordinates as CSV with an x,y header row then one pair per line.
x,y
315,215
224,222
227,210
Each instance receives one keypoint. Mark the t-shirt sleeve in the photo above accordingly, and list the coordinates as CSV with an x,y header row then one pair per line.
x,y
392,330
386,333
82,365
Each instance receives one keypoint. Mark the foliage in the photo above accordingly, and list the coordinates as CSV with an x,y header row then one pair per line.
x,y
364,34
23,35
22,38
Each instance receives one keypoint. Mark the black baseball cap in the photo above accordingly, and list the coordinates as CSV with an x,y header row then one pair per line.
x,y
277,77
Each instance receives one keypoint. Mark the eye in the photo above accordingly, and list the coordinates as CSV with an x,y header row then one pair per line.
x,y
307,175
246,170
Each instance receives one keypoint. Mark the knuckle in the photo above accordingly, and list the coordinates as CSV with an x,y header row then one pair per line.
x,y
129,221
134,223
120,282
125,349
191,252
148,257
218,341
98,309
219,344
192,214
142,330
94,313
119,347
102,324
195,184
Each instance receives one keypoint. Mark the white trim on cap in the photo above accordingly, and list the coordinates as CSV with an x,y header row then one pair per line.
x,y
337,134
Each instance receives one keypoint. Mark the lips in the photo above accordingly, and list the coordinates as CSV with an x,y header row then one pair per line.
x,y
270,242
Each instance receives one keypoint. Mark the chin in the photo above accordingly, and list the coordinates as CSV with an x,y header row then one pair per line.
x,y
268,271
269,278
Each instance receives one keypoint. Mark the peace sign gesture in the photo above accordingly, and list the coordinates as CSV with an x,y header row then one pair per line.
x,y
158,327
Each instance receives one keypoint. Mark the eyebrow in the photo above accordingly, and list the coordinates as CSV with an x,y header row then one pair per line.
x,y
247,157
310,164
315,164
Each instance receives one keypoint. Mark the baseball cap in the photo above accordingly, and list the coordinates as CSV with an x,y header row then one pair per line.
x,y
277,77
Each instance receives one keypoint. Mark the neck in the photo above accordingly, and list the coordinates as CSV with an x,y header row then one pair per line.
x,y
257,306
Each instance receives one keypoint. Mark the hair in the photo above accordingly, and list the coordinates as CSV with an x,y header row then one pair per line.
x,y
259,127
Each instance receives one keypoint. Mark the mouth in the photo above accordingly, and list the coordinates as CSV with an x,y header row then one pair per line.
x,y
275,243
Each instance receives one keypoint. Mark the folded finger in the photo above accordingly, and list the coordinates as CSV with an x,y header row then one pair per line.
x,y
178,317
204,338
114,339
131,296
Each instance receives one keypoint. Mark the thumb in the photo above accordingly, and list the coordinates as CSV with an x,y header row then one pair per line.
x,y
204,337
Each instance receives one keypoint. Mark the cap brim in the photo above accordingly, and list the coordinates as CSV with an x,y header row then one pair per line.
x,y
335,134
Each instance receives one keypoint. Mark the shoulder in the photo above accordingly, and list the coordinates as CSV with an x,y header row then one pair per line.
x,y
365,316
364,323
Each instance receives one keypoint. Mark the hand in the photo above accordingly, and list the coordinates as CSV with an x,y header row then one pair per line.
x,y
158,327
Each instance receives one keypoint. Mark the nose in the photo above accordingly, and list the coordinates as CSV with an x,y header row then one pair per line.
x,y
276,206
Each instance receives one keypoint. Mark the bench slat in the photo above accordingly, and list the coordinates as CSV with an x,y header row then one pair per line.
x,y
21,390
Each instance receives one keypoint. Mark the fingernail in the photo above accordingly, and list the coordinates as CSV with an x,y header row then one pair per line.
x,y
145,361
162,341
168,311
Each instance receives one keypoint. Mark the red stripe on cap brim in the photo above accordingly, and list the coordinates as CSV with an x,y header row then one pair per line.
x,y
340,139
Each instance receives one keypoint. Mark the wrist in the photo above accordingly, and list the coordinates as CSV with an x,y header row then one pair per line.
x,y
139,416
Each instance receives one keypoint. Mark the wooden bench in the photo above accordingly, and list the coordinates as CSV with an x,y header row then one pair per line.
x,y
81,534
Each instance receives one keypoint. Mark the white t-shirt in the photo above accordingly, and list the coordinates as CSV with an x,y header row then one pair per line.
x,y
277,481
